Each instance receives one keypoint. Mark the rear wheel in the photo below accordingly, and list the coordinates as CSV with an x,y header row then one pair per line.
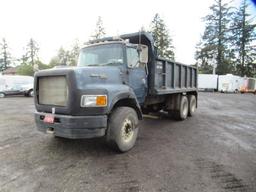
x,y
123,129
2,95
192,105
182,112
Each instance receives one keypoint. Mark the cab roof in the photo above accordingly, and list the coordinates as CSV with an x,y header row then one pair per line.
x,y
134,38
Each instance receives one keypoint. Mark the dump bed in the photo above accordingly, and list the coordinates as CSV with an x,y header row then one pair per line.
x,y
172,77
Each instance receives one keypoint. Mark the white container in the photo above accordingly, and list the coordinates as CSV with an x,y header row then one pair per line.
x,y
207,82
230,83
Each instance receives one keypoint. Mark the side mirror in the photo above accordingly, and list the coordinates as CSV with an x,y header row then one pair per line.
x,y
143,49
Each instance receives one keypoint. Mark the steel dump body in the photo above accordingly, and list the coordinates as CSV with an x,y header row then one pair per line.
x,y
172,77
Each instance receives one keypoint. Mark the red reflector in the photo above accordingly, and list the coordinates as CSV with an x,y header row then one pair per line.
x,y
49,119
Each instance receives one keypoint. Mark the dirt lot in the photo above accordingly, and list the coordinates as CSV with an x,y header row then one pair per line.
x,y
213,151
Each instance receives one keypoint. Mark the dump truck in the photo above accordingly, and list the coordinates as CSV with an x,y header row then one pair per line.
x,y
116,80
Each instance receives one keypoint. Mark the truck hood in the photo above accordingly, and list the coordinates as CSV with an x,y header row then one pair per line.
x,y
80,81
89,76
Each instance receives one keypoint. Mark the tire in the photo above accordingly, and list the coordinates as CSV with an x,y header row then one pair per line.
x,y
30,93
192,105
2,95
182,113
122,129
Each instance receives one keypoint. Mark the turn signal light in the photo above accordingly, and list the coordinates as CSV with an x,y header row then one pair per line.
x,y
101,100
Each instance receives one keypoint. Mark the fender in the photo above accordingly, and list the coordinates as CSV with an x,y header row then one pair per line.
x,y
124,96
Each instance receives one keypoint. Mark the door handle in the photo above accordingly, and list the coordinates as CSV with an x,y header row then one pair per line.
x,y
143,81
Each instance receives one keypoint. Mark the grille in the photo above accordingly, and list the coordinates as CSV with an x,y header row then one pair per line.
x,y
53,91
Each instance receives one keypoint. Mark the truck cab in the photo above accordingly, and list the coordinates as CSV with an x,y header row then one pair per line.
x,y
104,96
130,60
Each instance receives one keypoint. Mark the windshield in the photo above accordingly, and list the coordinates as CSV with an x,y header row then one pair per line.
x,y
108,54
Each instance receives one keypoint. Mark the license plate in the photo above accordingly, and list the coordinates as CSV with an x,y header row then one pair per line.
x,y
49,119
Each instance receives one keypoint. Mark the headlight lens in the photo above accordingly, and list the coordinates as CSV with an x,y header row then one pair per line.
x,y
94,100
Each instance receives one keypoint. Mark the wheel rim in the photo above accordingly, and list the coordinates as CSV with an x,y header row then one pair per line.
x,y
127,130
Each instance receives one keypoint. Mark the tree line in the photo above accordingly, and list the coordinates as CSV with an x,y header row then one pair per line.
x,y
226,46
30,62
158,28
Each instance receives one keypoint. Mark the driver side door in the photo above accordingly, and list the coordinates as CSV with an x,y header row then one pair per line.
x,y
137,74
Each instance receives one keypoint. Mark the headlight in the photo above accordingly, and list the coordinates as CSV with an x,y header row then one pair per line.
x,y
94,100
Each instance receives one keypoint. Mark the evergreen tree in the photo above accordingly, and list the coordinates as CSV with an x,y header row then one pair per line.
x,y
162,39
23,59
61,58
5,58
204,60
66,57
215,46
32,52
99,30
244,36
29,62
74,53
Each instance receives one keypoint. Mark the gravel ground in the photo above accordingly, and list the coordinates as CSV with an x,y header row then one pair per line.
x,y
213,151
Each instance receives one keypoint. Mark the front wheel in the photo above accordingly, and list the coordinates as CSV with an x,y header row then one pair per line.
x,y
2,95
123,128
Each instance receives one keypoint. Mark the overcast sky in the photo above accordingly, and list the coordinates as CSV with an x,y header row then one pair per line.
x,y
55,23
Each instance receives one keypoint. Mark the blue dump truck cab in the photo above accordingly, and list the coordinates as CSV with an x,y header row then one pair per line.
x,y
115,81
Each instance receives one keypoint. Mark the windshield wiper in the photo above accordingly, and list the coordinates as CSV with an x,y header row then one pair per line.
x,y
111,63
105,64
93,65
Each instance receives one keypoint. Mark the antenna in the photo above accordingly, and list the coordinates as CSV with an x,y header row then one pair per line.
x,y
139,45
139,37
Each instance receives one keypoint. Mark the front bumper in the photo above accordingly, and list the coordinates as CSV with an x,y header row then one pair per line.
x,y
73,127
